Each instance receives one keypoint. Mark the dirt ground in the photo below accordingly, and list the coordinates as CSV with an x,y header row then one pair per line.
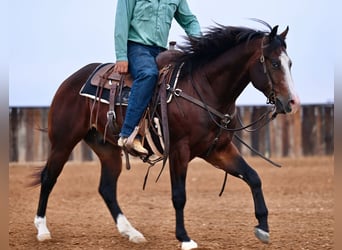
x,y
299,196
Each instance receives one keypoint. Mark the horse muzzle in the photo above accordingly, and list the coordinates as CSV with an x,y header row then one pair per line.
x,y
288,105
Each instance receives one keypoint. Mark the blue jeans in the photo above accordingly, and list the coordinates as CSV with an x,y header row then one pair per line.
x,y
144,70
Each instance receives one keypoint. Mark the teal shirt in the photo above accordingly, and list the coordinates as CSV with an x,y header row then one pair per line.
x,y
148,22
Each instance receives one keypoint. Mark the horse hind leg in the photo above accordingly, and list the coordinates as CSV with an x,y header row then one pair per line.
x,y
48,177
111,166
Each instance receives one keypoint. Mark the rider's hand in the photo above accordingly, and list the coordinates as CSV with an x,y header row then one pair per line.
x,y
121,67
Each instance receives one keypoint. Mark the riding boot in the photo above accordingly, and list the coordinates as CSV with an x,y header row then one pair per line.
x,y
136,145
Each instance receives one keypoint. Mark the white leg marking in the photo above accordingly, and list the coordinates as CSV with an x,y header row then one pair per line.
x,y
125,229
189,245
43,231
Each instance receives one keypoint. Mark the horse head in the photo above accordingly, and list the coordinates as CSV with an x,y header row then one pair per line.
x,y
271,72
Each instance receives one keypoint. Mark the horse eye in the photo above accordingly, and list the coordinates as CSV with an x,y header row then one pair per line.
x,y
275,64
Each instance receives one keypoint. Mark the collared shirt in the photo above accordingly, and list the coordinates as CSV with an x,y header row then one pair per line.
x,y
148,22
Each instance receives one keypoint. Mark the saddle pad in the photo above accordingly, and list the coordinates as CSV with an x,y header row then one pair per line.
x,y
89,90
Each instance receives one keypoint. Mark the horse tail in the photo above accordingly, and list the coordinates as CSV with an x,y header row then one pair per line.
x,y
37,173
36,177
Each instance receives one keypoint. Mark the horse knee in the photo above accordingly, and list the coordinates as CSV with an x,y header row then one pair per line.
x,y
253,179
248,174
178,201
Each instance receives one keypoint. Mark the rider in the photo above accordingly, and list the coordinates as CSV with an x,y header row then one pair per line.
x,y
141,32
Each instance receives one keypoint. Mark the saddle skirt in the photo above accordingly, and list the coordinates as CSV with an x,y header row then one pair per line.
x,y
98,85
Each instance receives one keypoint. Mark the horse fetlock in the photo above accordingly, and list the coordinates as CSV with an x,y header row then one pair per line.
x,y
43,231
262,235
187,245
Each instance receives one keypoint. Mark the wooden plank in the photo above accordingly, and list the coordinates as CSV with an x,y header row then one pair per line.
x,y
278,135
255,136
308,130
21,139
261,132
246,113
13,134
328,129
239,113
37,145
296,144
273,128
45,143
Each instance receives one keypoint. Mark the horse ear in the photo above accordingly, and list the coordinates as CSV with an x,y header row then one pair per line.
x,y
274,32
284,33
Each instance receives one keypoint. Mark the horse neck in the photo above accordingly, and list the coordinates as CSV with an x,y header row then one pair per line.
x,y
228,74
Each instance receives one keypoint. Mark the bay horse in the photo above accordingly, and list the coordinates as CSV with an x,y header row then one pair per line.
x,y
216,69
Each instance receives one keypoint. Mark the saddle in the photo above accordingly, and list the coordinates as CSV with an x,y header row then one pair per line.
x,y
118,86
105,74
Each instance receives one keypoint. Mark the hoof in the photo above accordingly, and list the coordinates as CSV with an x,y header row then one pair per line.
x,y
137,239
262,235
42,237
189,245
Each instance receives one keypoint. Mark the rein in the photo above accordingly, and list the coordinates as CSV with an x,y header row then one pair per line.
x,y
225,118
179,93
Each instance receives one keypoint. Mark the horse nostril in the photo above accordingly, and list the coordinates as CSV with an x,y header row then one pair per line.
x,y
292,105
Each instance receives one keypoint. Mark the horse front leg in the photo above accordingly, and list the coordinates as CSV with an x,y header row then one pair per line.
x,y
178,172
232,162
251,177
111,166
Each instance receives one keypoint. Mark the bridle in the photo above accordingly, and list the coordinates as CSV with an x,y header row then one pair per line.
x,y
271,98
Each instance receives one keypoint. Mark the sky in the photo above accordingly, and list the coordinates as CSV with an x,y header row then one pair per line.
x,y
50,40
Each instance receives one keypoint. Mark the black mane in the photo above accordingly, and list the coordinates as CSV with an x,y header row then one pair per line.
x,y
215,41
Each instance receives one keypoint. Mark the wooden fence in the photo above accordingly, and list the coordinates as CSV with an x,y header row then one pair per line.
x,y
308,132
